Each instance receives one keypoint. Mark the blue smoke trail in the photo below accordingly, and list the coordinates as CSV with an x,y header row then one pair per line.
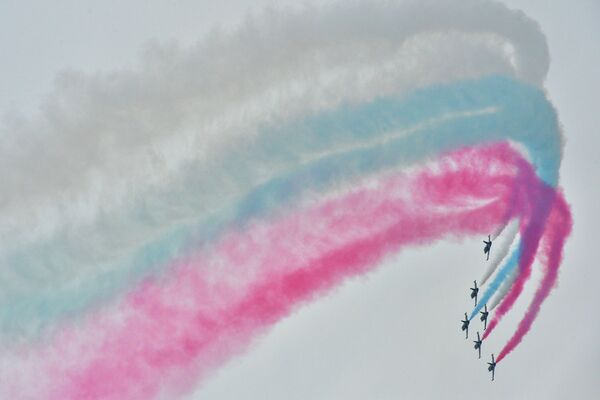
x,y
510,264
521,113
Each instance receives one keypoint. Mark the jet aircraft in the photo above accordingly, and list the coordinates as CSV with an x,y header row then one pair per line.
x,y
487,247
474,291
484,316
465,325
492,367
478,344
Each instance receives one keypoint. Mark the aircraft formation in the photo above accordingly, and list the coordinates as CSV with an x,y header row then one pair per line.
x,y
484,314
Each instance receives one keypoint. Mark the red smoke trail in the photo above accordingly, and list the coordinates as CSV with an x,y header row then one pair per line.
x,y
557,230
170,332
541,199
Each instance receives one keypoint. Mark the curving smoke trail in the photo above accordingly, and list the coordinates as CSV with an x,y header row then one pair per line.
x,y
386,133
141,170
187,113
177,93
214,190
215,301
506,285
552,218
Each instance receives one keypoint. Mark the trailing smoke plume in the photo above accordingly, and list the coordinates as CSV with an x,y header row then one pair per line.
x,y
155,222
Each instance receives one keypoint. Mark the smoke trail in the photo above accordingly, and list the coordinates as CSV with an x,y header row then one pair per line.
x,y
533,202
510,265
405,130
557,230
202,156
504,288
543,196
129,132
120,111
199,314
501,250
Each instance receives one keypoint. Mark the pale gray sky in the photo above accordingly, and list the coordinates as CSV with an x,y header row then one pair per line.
x,y
394,334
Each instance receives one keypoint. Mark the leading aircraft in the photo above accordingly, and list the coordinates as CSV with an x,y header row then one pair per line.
x,y
474,291
465,325
492,367
478,344
488,246
484,317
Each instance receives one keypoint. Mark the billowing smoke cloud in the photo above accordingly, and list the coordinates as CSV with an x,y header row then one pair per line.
x,y
202,197
386,133
131,130
557,230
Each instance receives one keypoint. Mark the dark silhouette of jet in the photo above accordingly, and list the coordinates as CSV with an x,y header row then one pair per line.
x,y
474,291
465,325
484,316
492,367
487,247
478,344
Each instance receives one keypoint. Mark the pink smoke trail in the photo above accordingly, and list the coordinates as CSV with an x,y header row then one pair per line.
x,y
541,199
557,230
171,331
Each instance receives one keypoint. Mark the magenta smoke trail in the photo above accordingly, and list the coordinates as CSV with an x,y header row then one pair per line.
x,y
542,201
538,203
255,277
209,306
557,230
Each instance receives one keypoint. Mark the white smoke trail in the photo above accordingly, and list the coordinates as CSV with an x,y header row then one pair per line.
x,y
104,139
501,249
504,288
122,158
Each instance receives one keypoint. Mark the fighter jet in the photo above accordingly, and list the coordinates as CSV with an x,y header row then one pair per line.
x,y
474,291
484,316
465,325
478,344
487,247
492,367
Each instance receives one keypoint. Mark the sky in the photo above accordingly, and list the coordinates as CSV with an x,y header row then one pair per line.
x,y
395,332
